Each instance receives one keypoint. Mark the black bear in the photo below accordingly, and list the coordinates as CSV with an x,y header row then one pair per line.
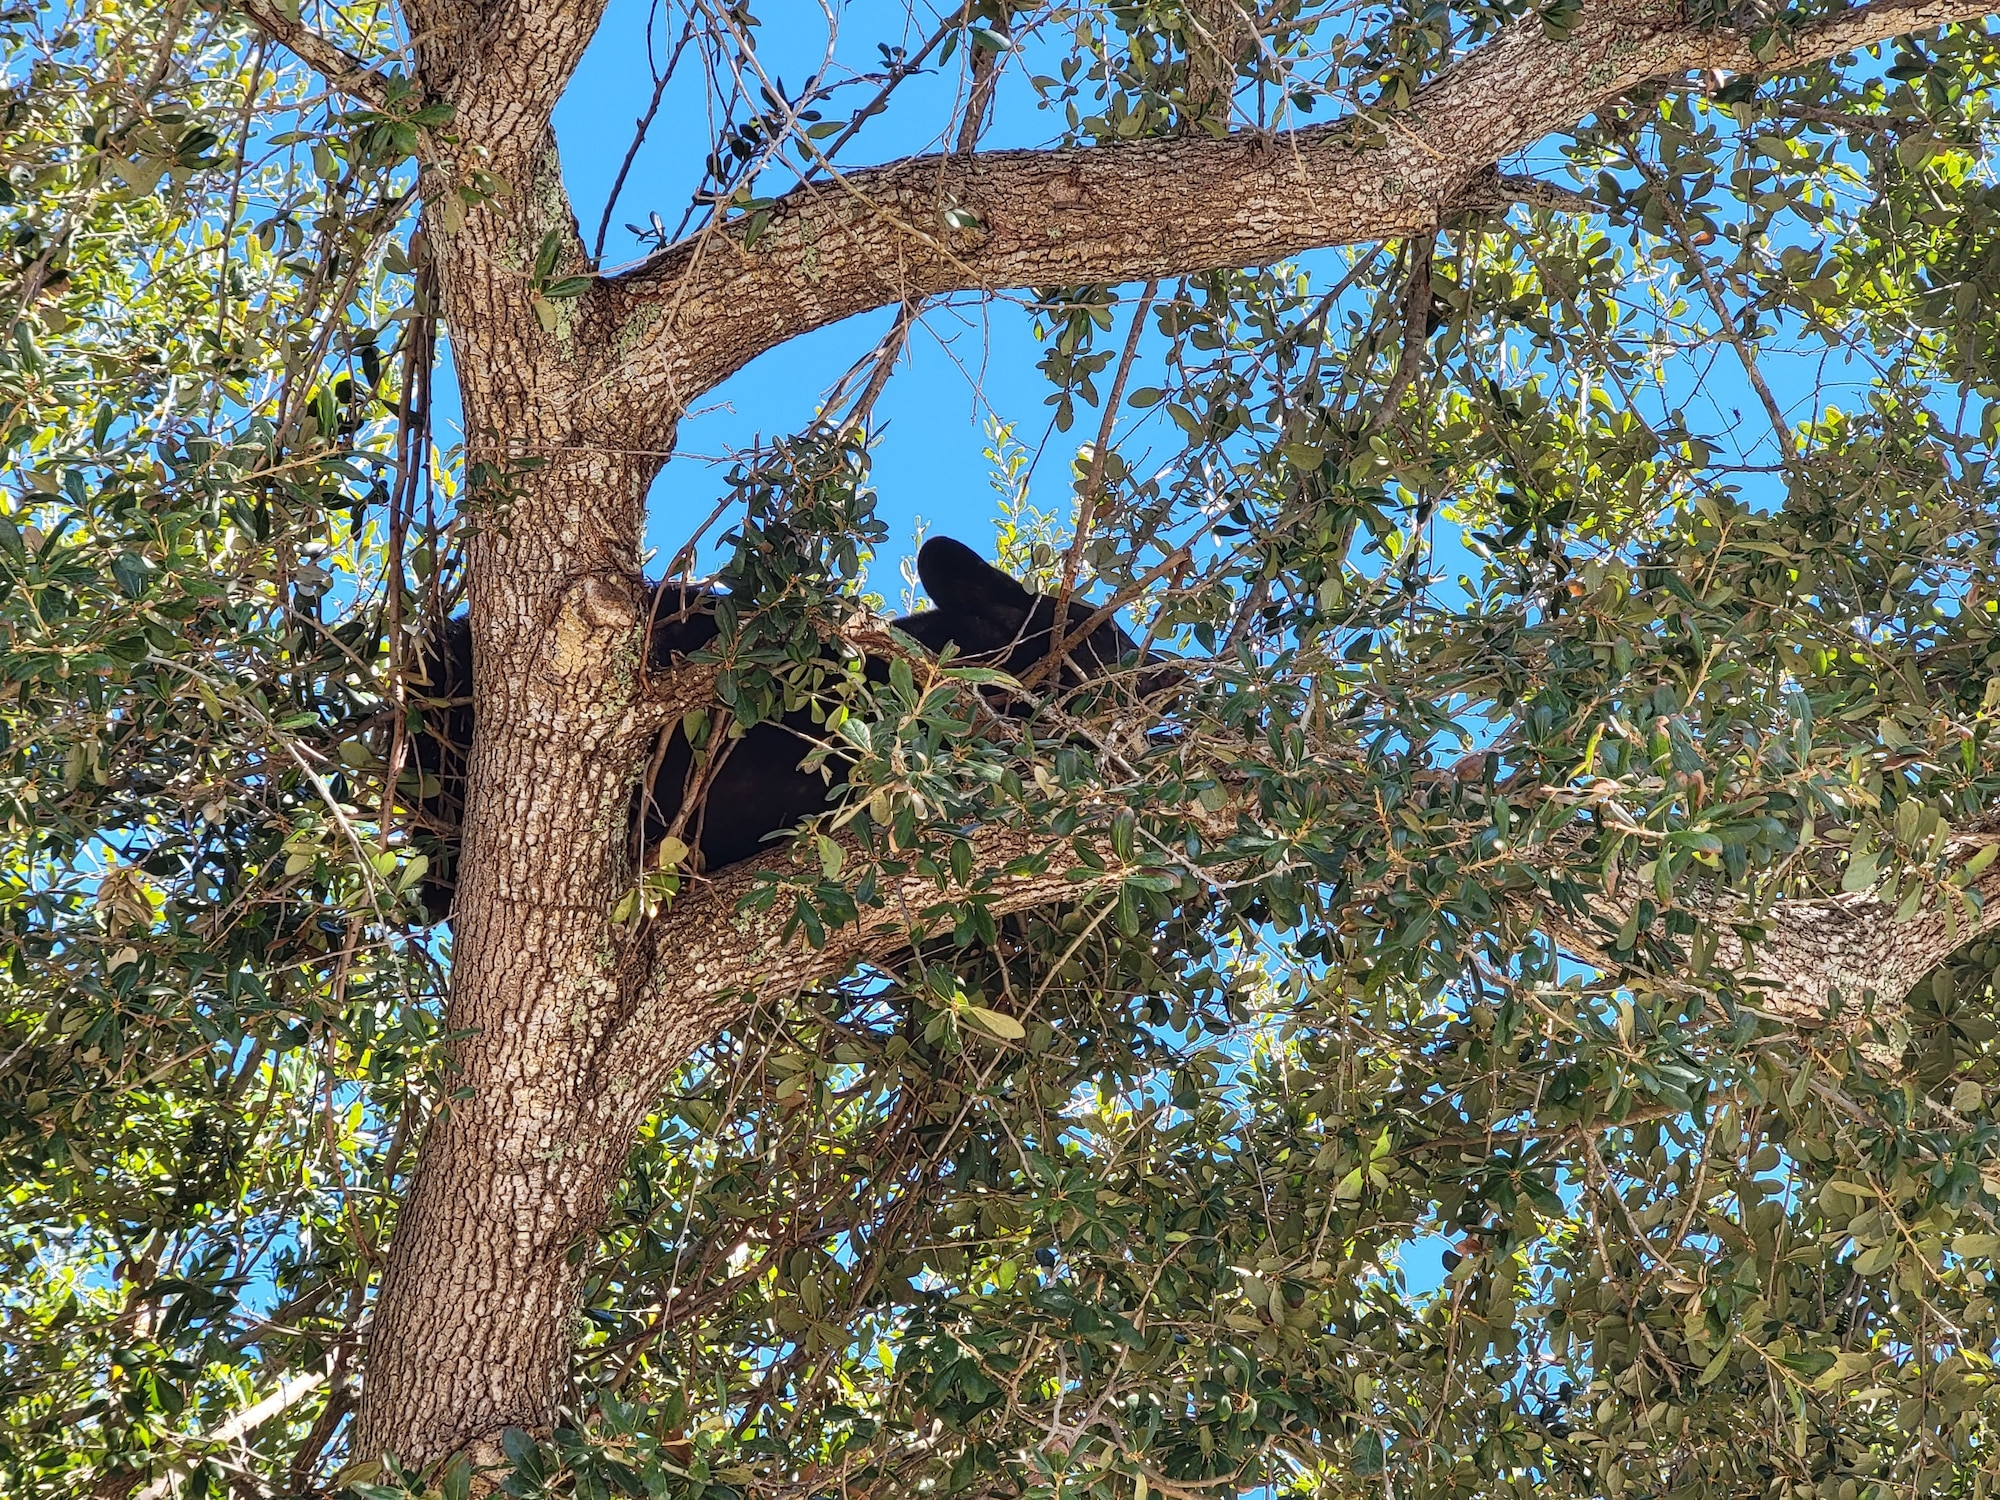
x,y
759,788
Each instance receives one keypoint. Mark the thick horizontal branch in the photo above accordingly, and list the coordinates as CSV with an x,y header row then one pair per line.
x,y
711,958
1492,192
664,699
926,226
1811,962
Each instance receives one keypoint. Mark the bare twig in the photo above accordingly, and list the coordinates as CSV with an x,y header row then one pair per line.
x,y
1746,352
1086,509
413,439
643,125
887,353
1416,320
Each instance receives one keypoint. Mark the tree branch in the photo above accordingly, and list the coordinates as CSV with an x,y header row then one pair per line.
x,y
710,956
342,71
1496,192
1416,333
1812,961
926,226
665,698
287,1395
1220,35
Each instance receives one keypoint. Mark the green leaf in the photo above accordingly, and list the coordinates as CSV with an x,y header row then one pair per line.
x,y
981,676
994,1022
1712,1371
1977,865
1876,1258
1370,1457
1123,826
545,259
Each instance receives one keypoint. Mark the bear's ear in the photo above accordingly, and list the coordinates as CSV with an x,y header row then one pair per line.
x,y
961,582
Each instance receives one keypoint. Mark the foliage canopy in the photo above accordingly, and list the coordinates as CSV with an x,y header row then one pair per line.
x,y
1509,600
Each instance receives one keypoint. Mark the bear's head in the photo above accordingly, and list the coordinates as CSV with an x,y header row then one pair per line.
x,y
995,622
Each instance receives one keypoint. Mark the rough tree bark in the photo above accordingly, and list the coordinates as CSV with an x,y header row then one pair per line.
x,y
570,1029
1810,962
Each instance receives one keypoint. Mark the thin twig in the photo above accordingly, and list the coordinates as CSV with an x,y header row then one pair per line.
x,y
645,124
874,106
1746,353
1416,319
413,427
340,68
1086,510
890,350
222,298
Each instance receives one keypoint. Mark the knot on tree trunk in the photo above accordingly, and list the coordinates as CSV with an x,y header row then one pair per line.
x,y
596,621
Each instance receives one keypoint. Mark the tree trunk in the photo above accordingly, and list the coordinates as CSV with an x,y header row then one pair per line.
x,y
473,1327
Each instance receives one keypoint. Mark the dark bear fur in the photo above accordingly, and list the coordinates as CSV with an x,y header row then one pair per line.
x,y
759,789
